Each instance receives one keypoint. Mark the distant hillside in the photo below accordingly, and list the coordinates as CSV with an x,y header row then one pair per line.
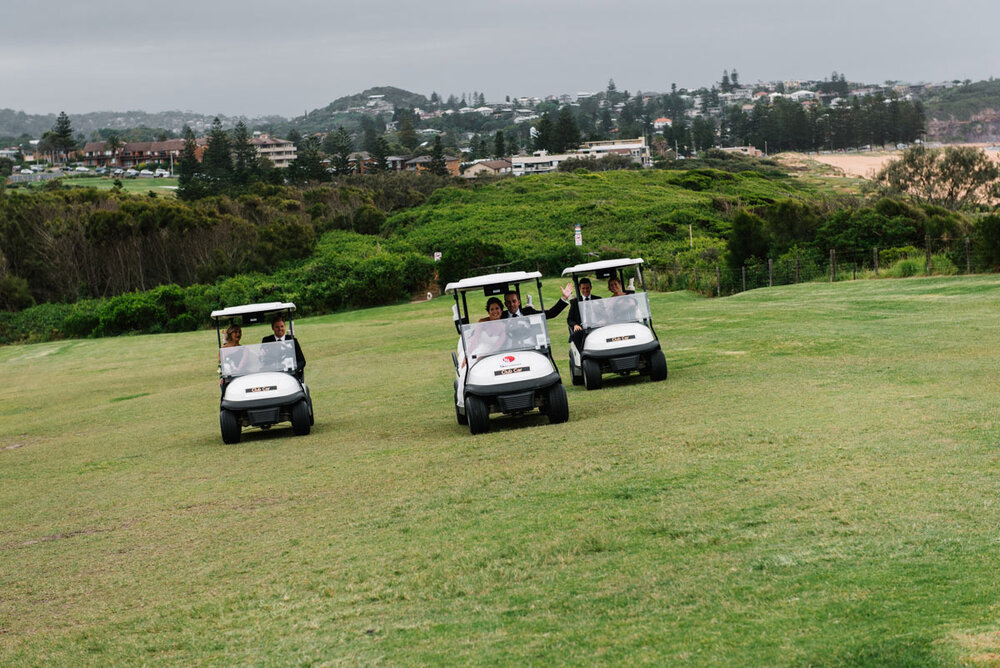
x,y
346,111
16,123
965,113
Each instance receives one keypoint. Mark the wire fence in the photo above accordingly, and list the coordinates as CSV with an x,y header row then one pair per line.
x,y
711,276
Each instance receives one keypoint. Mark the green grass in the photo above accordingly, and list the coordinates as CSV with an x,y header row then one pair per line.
x,y
815,484
161,186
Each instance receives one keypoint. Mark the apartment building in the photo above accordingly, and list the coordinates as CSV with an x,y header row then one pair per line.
x,y
280,152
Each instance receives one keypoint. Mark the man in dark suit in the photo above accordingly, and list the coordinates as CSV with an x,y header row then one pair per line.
x,y
278,327
515,310
576,334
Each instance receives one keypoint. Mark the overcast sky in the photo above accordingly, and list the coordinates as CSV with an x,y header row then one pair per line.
x,y
253,57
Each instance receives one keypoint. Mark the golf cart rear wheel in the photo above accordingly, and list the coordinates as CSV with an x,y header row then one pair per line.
x,y
300,418
478,414
230,427
574,372
591,374
657,366
558,404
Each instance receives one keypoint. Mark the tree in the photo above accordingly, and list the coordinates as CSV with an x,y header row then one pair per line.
x,y
114,144
407,132
246,162
703,132
567,134
62,131
217,160
189,184
437,165
747,239
953,178
545,134
499,147
308,164
381,154
338,147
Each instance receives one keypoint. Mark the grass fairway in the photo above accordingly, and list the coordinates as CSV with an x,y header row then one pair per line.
x,y
161,186
816,484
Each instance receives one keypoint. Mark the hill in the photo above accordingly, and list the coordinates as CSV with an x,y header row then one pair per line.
x,y
812,486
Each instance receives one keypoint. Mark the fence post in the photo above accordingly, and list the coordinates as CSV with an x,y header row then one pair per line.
x,y
718,283
968,256
743,269
796,267
875,260
833,263
770,273
927,249
675,270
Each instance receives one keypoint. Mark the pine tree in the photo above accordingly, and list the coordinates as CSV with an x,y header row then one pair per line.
x,y
217,160
567,134
246,162
437,165
189,185
499,149
63,140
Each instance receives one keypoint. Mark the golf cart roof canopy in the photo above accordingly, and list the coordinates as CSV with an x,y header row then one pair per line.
x,y
255,312
492,280
595,267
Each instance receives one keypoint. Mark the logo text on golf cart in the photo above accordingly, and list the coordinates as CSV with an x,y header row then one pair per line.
x,y
265,388
624,337
516,369
509,358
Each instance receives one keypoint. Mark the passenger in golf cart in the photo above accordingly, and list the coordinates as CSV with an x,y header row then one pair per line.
x,y
614,334
261,385
503,364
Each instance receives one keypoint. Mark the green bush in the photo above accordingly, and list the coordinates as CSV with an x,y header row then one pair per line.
x,y
904,269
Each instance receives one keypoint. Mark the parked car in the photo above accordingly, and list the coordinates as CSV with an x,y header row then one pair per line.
x,y
81,168
131,173
101,171
159,173
146,173
118,171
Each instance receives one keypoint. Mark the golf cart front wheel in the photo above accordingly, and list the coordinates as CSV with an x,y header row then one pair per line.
x,y
478,414
230,424
558,404
657,366
591,374
300,418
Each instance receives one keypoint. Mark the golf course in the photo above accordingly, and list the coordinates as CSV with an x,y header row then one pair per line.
x,y
817,483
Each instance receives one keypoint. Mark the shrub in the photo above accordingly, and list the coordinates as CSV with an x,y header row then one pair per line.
x,y
904,269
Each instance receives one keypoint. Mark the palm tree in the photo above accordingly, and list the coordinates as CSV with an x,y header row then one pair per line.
x,y
114,144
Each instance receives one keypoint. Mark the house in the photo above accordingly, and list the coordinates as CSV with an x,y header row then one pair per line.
x,y
542,162
280,152
751,151
487,168
361,162
661,123
130,154
422,163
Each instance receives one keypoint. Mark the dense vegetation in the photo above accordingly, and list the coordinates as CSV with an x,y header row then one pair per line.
x,y
104,263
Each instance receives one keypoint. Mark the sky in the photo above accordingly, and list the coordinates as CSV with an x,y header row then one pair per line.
x,y
254,58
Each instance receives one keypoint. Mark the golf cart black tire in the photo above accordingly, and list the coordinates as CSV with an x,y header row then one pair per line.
x,y
300,418
463,419
312,416
576,377
558,404
657,366
231,429
478,414
591,374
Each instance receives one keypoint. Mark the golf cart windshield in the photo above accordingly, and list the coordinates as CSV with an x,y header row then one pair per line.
x,y
257,358
499,336
614,310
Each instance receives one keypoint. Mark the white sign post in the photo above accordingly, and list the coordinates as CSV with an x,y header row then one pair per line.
x,y
578,235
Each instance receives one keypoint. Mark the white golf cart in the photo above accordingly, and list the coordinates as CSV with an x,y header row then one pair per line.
x,y
618,335
261,385
503,366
